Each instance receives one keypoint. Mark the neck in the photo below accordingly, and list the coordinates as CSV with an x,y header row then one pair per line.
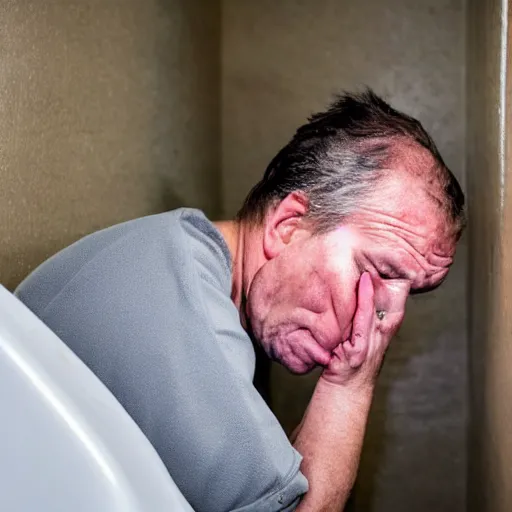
x,y
245,245
234,236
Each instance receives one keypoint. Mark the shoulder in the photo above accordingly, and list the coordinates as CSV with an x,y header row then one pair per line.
x,y
206,246
211,276
166,244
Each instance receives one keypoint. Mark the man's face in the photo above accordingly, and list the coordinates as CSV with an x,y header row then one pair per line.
x,y
301,303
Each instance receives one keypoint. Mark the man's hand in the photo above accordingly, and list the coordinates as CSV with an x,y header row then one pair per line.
x,y
331,435
356,362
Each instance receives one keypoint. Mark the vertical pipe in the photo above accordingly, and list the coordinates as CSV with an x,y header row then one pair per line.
x,y
490,269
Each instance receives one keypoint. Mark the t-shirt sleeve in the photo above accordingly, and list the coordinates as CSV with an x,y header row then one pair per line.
x,y
151,315
255,460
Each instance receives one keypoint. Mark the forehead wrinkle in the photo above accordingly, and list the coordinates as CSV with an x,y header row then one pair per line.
x,y
390,208
412,238
382,222
423,274
421,260
376,215
428,267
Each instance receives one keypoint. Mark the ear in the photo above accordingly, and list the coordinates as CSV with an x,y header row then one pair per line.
x,y
283,222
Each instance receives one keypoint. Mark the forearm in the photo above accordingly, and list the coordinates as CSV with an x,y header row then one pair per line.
x,y
330,439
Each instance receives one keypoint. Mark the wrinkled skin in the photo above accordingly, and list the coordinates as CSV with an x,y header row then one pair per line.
x,y
314,301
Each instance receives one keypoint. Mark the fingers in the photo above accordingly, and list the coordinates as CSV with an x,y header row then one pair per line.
x,y
356,356
396,293
391,295
357,348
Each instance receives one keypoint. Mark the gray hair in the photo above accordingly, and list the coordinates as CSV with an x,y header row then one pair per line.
x,y
339,155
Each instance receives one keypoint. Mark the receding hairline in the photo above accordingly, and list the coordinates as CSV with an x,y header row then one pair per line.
x,y
366,139
407,157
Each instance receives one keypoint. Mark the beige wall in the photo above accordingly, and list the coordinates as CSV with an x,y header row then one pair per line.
x,y
108,111
490,273
280,62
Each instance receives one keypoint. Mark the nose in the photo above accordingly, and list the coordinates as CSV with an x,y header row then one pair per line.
x,y
391,294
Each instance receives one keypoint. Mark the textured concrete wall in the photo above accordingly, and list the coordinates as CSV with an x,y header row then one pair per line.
x,y
280,62
108,111
490,273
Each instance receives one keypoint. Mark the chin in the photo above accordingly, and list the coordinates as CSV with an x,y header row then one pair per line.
x,y
291,361
294,348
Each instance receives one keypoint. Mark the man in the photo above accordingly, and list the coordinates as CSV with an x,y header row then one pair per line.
x,y
356,212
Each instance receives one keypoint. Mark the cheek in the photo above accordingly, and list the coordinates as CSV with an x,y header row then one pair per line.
x,y
333,324
321,299
272,296
345,316
258,302
344,300
344,272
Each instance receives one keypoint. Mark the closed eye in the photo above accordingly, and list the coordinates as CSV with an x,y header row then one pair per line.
x,y
390,272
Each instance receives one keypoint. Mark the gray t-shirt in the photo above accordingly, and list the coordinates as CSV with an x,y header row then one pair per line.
x,y
146,305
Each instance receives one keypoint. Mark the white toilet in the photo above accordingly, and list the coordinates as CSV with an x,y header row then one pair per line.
x,y
66,444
